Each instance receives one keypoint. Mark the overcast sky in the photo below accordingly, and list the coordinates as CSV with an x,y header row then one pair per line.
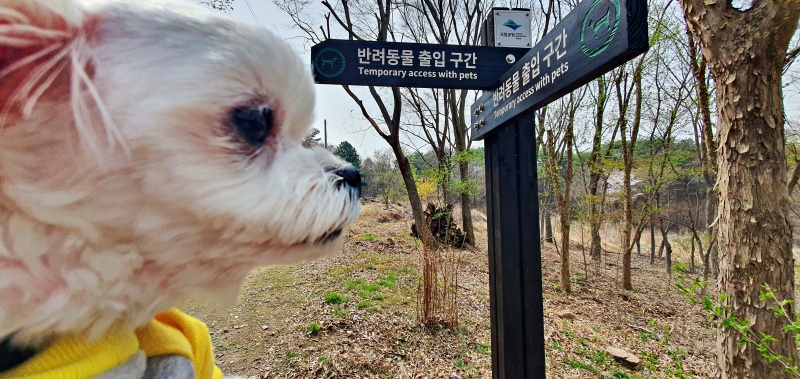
x,y
334,105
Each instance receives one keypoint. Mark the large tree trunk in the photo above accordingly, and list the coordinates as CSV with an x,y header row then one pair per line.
x,y
755,236
746,51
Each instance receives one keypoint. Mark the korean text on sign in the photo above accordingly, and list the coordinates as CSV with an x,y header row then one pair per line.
x,y
425,58
553,51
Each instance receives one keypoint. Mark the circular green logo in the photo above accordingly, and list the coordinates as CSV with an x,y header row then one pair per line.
x,y
599,26
329,62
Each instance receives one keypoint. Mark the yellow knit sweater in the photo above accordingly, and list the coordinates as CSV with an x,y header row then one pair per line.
x,y
171,332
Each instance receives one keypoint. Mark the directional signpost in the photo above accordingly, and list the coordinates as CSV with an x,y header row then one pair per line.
x,y
594,38
597,36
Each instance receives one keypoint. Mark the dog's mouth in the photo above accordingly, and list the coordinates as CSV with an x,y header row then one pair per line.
x,y
328,237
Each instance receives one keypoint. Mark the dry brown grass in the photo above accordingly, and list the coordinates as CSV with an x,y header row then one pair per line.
x,y
375,333
611,235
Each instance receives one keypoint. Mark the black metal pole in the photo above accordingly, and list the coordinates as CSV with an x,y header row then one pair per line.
x,y
515,266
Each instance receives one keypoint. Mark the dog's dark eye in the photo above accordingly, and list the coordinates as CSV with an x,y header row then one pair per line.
x,y
253,124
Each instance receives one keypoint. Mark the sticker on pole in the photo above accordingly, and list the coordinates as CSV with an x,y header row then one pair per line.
x,y
512,28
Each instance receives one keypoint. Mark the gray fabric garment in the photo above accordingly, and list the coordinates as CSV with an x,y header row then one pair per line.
x,y
161,367
133,368
169,367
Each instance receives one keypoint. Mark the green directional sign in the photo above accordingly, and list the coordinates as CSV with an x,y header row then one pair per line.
x,y
394,64
594,38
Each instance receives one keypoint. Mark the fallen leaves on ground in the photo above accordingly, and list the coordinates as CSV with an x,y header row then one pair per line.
x,y
354,316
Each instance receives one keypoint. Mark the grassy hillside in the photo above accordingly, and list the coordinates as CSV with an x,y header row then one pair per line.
x,y
354,315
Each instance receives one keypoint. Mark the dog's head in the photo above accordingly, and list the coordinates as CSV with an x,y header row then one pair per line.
x,y
149,152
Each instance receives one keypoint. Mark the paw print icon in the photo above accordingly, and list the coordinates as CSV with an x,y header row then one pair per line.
x,y
599,26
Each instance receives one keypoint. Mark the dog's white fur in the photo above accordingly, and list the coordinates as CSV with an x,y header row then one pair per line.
x,y
123,187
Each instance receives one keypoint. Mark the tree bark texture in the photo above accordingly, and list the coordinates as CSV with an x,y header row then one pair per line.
x,y
746,51
712,207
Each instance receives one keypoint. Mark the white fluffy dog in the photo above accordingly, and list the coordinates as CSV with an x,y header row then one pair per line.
x,y
150,153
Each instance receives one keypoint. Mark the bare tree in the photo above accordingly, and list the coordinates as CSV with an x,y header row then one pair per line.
x,y
562,191
429,109
363,20
597,173
383,178
629,85
707,148
455,22
547,202
311,139
628,139
220,5
672,89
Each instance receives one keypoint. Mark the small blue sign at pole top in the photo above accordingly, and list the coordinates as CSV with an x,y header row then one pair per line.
x,y
394,64
511,27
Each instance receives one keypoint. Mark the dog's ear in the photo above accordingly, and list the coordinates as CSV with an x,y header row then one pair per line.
x,y
40,53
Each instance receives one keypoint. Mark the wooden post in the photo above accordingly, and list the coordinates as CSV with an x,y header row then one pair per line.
x,y
326,133
515,266
595,37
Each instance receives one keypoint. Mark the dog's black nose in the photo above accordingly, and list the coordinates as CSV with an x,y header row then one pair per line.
x,y
350,175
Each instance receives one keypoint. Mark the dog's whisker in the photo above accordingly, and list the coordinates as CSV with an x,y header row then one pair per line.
x,y
28,60
34,97
81,81
14,16
30,31
23,96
